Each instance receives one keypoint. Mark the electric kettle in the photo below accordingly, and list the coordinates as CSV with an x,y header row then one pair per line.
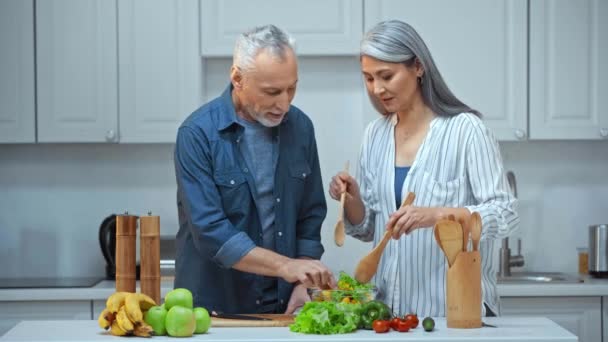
x,y
107,242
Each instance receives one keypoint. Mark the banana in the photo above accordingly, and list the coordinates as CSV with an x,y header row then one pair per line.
x,y
135,303
115,301
123,321
116,330
105,319
143,330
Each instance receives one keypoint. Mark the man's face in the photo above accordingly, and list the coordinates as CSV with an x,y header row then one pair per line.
x,y
265,93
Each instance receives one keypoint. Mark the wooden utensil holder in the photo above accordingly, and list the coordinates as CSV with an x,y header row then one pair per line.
x,y
463,293
149,256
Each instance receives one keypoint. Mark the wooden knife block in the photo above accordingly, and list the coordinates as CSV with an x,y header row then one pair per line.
x,y
463,293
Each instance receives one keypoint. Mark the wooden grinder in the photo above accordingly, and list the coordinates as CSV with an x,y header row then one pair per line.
x,y
126,230
149,256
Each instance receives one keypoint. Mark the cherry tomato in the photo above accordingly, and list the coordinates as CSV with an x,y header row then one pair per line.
x,y
381,326
395,322
404,326
413,318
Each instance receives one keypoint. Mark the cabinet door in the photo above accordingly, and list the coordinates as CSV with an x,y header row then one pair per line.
x,y
480,49
320,27
160,67
17,97
568,70
76,70
581,316
12,313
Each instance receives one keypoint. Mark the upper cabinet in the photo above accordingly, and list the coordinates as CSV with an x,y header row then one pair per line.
x,y
568,69
17,96
76,59
480,48
320,27
160,72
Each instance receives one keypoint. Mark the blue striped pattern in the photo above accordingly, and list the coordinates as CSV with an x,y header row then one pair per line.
x,y
457,165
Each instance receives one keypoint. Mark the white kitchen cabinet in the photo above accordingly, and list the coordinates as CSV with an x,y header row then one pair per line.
x,y
581,316
568,70
76,61
320,27
160,76
480,48
12,313
17,96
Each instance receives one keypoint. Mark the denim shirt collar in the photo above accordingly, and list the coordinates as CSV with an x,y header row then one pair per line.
x,y
228,116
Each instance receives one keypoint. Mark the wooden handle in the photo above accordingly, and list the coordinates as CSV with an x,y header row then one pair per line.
x,y
126,230
149,248
343,196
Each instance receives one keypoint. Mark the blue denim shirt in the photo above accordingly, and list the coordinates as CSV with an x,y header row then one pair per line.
x,y
218,219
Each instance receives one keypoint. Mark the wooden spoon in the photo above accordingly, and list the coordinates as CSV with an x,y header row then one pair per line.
x,y
450,234
466,228
339,230
475,230
368,265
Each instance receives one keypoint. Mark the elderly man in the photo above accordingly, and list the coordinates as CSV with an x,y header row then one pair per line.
x,y
250,195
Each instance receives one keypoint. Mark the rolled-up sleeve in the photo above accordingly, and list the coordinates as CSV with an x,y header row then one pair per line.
x,y
364,230
213,234
496,205
313,209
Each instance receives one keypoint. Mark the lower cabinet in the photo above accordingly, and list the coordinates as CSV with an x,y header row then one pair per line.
x,y
12,313
581,316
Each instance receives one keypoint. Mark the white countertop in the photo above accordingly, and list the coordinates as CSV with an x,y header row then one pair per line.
x,y
101,291
537,329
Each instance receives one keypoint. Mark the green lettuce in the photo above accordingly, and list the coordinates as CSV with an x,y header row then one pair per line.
x,y
327,318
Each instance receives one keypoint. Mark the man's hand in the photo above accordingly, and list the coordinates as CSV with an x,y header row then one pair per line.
x,y
310,273
299,296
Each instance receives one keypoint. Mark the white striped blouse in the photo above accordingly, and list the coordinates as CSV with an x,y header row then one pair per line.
x,y
458,164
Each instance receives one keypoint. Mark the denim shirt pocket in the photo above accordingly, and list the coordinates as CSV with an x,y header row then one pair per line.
x,y
233,189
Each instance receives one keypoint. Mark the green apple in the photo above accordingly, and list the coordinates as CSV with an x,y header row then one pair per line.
x,y
203,321
181,297
180,322
155,317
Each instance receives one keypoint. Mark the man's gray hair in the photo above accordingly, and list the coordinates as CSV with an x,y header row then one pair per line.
x,y
262,38
397,42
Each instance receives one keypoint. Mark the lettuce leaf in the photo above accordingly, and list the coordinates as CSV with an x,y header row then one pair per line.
x,y
327,318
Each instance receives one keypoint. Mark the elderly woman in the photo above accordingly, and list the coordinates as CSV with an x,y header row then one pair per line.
x,y
430,143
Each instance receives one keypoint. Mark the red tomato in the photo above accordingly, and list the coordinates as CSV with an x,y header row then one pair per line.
x,y
413,318
395,322
381,326
404,326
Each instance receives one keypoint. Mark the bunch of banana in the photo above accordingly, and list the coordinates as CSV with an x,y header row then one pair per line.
x,y
124,313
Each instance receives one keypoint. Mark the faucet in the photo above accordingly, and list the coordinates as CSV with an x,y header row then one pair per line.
x,y
506,260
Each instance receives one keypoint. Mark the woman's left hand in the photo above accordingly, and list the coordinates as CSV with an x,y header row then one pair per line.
x,y
407,219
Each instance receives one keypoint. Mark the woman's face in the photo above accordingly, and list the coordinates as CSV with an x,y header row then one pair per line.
x,y
392,85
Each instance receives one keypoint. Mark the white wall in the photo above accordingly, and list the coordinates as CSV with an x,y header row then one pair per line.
x,y
54,196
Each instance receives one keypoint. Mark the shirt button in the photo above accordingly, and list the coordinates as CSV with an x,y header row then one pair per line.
x,y
282,302
304,175
232,182
280,233
238,140
246,170
257,302
278,199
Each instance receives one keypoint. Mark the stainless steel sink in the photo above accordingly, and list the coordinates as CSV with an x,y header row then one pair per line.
x,y
539,277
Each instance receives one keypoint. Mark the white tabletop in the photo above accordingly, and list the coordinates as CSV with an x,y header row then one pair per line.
x,y
536,329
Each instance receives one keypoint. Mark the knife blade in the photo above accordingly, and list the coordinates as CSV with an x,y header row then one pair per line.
x,y
238,316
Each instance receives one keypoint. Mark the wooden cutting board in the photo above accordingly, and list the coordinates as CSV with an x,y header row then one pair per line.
x,y
278,320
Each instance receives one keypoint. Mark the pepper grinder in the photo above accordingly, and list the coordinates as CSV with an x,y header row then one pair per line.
x,y
149,256
126,230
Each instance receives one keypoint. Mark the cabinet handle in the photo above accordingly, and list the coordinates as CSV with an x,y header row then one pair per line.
x,y
604,132
520,134
110,135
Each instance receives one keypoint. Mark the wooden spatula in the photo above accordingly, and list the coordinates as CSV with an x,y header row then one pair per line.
x,y
450,234
339,230
475,230
368,265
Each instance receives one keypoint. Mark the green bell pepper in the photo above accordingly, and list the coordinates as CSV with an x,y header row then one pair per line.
x,y
372,311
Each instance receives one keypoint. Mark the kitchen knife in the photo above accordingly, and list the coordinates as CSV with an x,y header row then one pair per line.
x,y
238,316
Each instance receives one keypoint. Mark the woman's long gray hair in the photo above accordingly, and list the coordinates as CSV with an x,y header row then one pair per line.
x,y
397,42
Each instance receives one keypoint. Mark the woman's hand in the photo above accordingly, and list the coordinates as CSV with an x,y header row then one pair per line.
x,y
343,182
407,219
